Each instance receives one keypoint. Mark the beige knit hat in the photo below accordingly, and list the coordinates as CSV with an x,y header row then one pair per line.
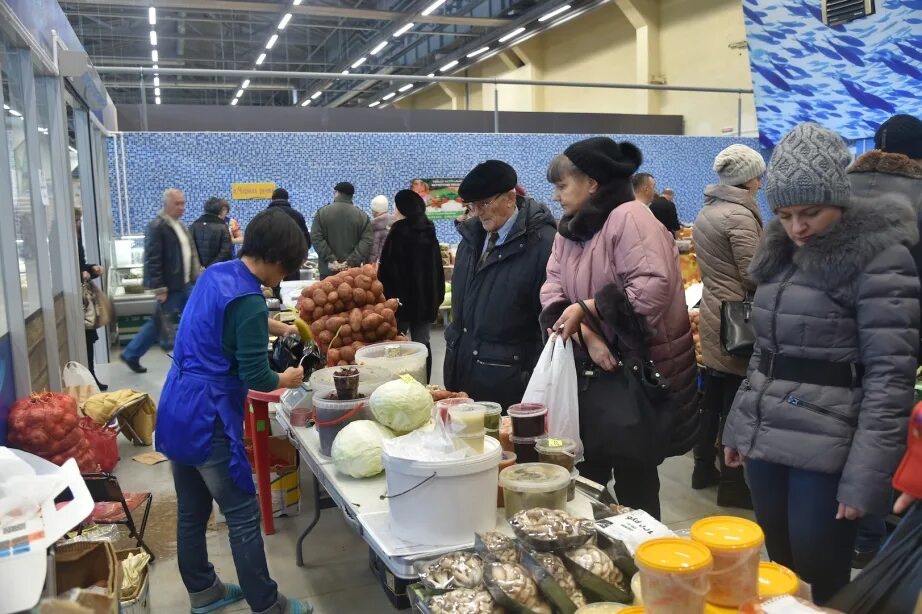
x,y
379,204
737,164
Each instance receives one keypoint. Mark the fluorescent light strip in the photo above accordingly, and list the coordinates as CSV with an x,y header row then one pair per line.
x,y
449,66
157,100
156,91
345,72
567,18
156,81
245,84
316,95
260,59
403,30
154,56
284,21
474,54
239,93
297,2
155,67
432,74
271,43
389,96
554,13
406,87
234,101
374,104
379,48
15,113
153,38
359,62
306,102
152,16
512,35
432,7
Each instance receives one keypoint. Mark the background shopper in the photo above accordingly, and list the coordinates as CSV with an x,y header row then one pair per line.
x,y
170,267
281,202
664,210
493,341
411,270
211,235
220,354
617,258
380,223
88,272
342,233
821,421
726,235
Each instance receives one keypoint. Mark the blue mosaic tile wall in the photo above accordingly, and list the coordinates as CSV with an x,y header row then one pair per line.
x,y
308,165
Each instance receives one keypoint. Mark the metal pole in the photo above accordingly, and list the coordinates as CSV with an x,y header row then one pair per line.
x,y
143,101
739,115
495,108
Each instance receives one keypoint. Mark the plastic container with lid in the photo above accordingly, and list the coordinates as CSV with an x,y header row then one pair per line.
x,y
735,544
674,575
608,607
370,379
332,416
442,407
556,451
528,419
530,485
466,419
776,580
524,448
492,414
398,357
571,489
507,460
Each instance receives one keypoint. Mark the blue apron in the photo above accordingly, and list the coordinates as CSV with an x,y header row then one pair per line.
x,y
199,387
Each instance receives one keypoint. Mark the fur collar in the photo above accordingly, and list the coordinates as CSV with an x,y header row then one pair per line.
x,y
589,220
833,259
877,161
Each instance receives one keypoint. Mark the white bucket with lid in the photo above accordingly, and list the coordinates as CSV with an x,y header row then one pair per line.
x,y
398,357
443,503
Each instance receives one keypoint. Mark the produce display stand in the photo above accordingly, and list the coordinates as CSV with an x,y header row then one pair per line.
x,y
366,511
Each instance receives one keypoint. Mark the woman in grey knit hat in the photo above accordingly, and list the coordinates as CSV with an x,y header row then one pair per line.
x,y
820,421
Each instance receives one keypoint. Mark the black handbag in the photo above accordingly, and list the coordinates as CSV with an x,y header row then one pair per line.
x,y
622,413
737,334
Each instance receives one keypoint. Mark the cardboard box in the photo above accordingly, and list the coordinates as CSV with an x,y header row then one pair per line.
x,y
138,600
86,565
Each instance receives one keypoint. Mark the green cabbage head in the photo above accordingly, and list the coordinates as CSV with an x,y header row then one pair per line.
x,y
402,405
357,448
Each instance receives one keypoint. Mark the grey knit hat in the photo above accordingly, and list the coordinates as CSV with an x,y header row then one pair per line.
x,y
808,168
738,164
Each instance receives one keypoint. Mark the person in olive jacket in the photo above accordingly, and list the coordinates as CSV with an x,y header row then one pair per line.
x,y
342,234
411,270
494,340
820,423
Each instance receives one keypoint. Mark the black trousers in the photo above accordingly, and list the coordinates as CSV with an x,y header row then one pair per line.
x,y
636,484
719,391
91,337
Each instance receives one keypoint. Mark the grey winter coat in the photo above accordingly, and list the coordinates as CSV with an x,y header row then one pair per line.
x,y
726,236
850,295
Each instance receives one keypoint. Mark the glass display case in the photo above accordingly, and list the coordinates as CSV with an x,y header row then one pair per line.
x,y
133,303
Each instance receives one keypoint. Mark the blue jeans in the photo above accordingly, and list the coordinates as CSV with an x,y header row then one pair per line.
x,y
150,333
797,510
196,487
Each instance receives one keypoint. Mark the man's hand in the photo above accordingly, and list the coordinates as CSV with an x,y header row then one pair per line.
x,y
85,276
292,377
732,457
161,298
97,270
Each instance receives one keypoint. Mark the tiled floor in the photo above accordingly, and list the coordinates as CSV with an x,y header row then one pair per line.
x,y
337,578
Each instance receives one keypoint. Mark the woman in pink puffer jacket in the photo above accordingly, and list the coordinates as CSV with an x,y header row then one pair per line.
x,y
611,253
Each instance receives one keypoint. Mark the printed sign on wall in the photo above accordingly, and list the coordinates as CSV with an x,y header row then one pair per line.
x,y
441,196
252,191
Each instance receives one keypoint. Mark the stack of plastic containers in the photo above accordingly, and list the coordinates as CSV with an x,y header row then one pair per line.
x,y
529,423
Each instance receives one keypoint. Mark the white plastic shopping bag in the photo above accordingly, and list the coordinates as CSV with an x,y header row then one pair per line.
x,y
553,383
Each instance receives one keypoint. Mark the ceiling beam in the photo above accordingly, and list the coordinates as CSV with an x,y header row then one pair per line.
x,y
304,9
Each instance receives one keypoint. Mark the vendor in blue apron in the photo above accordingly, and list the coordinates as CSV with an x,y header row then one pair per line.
x,y
220,354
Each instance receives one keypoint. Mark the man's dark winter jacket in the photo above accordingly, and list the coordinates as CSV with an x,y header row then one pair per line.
x,y
494,340
212,239
285,206
411,269
163,265
664,210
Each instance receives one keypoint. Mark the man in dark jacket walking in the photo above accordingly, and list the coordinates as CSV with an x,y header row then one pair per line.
x,y
342,233
280,200
494,340
170,267
211,235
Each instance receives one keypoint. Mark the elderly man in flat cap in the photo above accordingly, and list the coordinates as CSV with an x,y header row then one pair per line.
x,y
494,340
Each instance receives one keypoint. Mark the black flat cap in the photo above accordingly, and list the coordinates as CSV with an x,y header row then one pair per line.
x,y
409,203
280,194
344,187
486,180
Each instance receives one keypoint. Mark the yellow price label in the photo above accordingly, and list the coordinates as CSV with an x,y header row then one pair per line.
x,y
555,443
408,379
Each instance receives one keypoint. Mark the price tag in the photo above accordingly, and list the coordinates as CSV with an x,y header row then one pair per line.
x,y
408,379
555,443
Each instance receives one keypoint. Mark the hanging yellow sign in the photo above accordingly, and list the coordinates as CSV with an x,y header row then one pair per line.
x,y
249,191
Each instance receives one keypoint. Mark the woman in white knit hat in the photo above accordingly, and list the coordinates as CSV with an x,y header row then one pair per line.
x,y
726,235
380,222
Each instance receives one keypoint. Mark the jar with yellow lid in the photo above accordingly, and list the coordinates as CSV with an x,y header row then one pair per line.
x,y
673,575
735,543
776,580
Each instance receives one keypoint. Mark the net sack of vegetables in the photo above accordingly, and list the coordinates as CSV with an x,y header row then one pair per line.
x,y
46,424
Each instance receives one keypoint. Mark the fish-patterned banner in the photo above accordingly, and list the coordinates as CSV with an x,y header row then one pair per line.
x,y
849,78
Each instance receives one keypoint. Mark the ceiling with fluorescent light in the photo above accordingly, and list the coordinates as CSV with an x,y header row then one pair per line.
x,y
373,37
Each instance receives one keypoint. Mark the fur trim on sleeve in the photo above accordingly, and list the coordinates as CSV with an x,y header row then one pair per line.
x,y
550,314
616,310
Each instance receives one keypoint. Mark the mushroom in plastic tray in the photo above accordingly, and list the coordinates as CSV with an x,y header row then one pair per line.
x,y
514,589
556,583
545,530
552,564
493,545
456,570
463,601
597,574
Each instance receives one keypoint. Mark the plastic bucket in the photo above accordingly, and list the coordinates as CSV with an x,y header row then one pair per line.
x,y
443,503
332,416
398,357
735,543
674,574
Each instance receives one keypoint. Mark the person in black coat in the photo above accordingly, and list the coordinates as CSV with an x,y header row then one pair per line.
x,y
280,200
664,210
494,340
211,235
87,273
411,270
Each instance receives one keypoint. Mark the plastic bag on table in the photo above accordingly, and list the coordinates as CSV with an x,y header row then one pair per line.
x,y
102,441
553,384
513,588
462,569
596,573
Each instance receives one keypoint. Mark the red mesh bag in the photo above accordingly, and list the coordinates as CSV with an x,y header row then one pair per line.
x,y
102,442
46,425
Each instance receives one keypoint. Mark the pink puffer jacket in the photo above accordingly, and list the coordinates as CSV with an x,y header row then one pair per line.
x,y
632,256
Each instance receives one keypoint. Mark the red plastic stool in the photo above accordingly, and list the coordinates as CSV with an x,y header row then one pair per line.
x,y
256,427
